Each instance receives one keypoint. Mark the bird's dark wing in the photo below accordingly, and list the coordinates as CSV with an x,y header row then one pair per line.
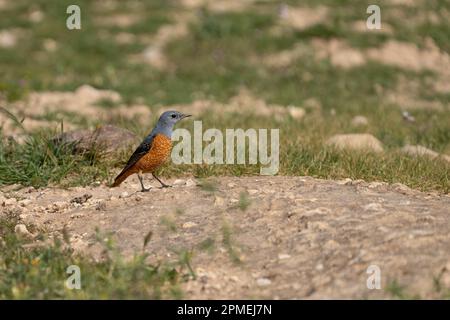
x,y
140,151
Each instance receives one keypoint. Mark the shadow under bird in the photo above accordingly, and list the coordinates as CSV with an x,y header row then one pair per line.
x,y
153,151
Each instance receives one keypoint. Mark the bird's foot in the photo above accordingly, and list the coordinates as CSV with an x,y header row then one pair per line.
x,y
145,189
165,186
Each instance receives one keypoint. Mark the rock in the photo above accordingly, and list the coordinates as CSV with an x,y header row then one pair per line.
x,y
401,187
219,201
345,182
9,202
301,18
178,182
8,39
22,231
188,225
376,184
81,199
312,103
101,206
36,16
76,215
296,112
125,38
408,117
57,206
359,121
419,151
331,245
283,256
10,188
318,226
90,93
25,202
108,140
154,56
263,282
50,45
356,141
190,183
373,207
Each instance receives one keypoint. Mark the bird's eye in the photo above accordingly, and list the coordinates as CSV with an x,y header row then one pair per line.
x,y
174,115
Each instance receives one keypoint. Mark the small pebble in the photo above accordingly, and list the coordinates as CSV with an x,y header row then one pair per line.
x,y
190,183
188,225
22,230
263,282
179,182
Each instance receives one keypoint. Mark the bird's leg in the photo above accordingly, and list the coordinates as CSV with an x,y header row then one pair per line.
x,y
162,183
144,189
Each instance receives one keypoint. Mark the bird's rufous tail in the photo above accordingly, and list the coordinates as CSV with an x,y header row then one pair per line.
x,y
121,177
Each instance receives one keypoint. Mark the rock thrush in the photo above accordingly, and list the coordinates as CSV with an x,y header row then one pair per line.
x,y
153,151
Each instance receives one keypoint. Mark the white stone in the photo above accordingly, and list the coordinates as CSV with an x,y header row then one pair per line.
x,y
283,256
296,112
188,225
263,282
419,151
356,141
179,182
358,121
9,202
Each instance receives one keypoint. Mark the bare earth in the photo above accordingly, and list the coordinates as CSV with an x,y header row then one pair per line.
x,y
299,238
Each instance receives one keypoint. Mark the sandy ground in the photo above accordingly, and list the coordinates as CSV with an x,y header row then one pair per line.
x,y
299,238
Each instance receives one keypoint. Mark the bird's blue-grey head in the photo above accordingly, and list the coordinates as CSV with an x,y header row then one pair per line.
x,y
166,122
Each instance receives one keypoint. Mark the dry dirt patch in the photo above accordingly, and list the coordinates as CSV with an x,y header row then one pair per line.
x,y
300,18
243,102
154,53
299,238
218,5
83,102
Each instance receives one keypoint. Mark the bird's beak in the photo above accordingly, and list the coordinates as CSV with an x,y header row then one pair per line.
x,y
185,116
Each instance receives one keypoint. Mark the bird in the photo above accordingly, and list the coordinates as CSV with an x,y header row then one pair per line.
x,y
153,151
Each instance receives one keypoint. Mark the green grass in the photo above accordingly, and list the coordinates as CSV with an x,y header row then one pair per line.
x,y
402,292
214,60
40,161
39,272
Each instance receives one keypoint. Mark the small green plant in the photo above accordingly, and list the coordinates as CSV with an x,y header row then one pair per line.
x,y
209,185
169,223
244,201
38,270
207,245
399,291
228,243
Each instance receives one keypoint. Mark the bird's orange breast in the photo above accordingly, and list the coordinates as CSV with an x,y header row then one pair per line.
x,y
158,154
